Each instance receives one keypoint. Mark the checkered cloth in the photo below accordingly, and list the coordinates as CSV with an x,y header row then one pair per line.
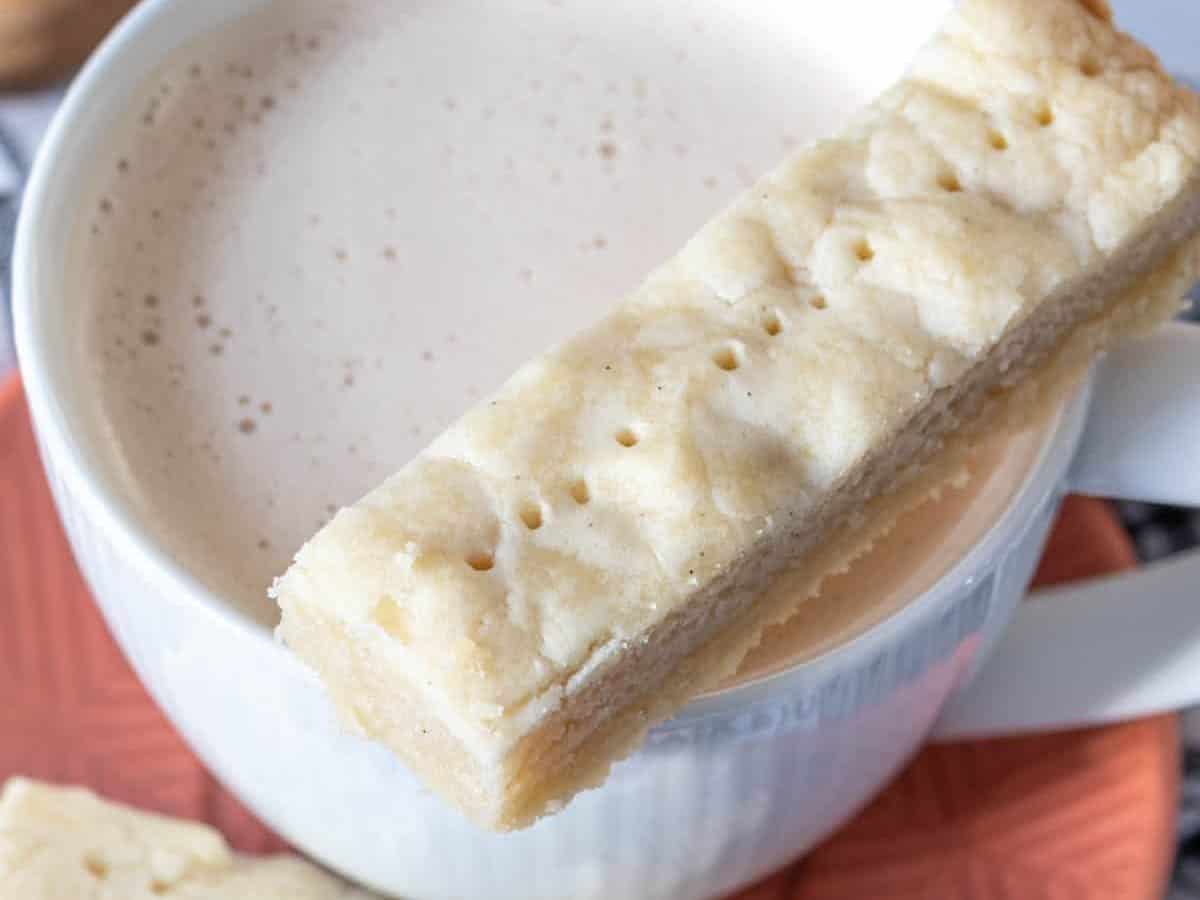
x,y
23,120
1157,531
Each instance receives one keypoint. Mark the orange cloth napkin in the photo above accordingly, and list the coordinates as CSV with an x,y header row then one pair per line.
x,y
1083,814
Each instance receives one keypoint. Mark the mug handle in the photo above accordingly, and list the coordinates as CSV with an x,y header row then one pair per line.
x,y
1124,646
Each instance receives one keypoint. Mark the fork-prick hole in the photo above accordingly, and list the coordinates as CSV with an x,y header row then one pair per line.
x,y
725,358
481,561
580,493
997,141
627,437
818,302
863,250
1044,115
531,515
949,183
96,867
773,324
1089,68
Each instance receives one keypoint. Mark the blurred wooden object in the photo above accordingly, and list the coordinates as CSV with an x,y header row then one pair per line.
x,y
41,40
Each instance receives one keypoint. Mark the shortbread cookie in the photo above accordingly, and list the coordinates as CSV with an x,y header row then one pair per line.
x,y
61,843
580,554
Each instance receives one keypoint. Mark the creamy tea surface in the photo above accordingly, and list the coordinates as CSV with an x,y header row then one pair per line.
x,y
313,241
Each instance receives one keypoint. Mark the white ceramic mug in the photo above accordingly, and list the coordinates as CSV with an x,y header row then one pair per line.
x,y
739,783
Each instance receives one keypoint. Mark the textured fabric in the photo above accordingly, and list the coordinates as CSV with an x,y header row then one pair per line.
x,y
1159,531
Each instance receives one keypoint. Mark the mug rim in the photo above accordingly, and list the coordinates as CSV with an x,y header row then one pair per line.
x,y
135,542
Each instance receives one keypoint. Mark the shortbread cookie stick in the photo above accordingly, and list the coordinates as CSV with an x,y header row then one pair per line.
x,y
577,556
